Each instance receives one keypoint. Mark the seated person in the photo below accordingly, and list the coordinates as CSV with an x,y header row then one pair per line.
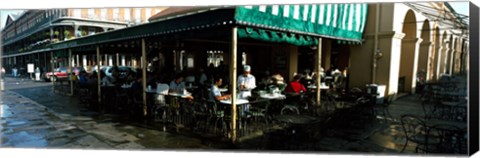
x,y
215,94
106,80
178,86
295,86
83,78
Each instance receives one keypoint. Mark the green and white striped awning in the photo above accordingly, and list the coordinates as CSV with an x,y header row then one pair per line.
x,y
296,24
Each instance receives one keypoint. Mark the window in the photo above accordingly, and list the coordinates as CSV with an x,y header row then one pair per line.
x,y
103,14
148,13
137,15
127,14
91,13
244,58
116,11
214,57
77,13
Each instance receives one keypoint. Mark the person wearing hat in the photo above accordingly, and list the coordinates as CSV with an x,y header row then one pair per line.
x,y
246,82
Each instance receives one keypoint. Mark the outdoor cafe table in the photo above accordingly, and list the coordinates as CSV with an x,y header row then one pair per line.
x,y
243,104
297,122
222,90
453,103
273,96
322,87
434,122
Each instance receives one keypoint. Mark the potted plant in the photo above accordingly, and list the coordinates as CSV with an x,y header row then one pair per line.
x,y
56,33
66,34
84,33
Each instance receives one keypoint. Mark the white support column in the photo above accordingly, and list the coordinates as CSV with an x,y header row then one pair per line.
x,y
70,58
318,68
99,80
233,78
117,59
110,60
84,61
123,60
78,60
144,77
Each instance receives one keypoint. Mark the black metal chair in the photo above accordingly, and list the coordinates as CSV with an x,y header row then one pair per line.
x,y
216,115
259,110
383,108
445,139
415,131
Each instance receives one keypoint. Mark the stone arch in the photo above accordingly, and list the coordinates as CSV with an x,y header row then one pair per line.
x,y
409,54
425,55
443,54
456,55
449,54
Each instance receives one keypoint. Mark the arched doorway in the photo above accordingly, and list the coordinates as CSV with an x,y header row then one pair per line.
x,y
442,62
408,55
425,54
449,54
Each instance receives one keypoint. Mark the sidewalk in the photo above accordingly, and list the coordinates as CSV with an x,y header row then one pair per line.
x,y
27,124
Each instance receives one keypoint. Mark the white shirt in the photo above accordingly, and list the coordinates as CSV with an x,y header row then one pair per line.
x,y
177,87
214,92
249,83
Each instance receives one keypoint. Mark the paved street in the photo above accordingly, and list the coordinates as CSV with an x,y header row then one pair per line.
x,y
32,116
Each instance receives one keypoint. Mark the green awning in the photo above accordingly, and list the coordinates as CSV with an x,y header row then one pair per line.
x,y
344,22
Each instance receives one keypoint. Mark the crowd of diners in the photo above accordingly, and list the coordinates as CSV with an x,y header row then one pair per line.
x,y
207,81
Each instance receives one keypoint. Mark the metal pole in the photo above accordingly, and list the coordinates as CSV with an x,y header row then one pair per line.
x,y
2,85
319,66
375,47
233,78
98,76
118,60
70,75
53,60
144,76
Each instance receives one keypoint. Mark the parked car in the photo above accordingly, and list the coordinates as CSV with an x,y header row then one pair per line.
x,y
121,69
61,73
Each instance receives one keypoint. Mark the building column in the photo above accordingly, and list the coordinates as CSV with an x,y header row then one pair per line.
x,y
123,60
51,34
117,59
84,61
292,63
451,58
445,58
75,30
326,53
410,74
438,63
110,60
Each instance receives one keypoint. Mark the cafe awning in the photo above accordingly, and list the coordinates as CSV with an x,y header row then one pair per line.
x,y
297,24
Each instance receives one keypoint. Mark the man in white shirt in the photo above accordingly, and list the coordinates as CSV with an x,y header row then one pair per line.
x,y
246,82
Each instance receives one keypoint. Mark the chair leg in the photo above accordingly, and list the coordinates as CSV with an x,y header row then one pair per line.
x,y
404,146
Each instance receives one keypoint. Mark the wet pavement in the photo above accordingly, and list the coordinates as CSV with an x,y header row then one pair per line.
x,y
33,116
